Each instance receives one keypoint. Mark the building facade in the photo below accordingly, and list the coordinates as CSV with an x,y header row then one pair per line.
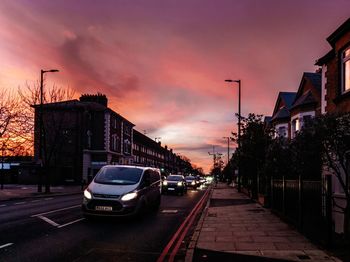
x,y
80,136
307,101
335,98
280,119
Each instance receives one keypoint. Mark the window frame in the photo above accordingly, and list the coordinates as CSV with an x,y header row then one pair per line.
x,y
345,59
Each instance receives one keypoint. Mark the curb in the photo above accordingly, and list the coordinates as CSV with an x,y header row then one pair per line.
x,y
192,245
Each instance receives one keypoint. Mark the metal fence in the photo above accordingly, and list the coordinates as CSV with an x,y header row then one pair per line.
x,y
305,204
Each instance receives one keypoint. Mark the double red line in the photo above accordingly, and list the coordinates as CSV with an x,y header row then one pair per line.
x,y
180,234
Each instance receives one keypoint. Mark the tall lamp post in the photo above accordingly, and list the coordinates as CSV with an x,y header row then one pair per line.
x,y
41,123
228,148
239,129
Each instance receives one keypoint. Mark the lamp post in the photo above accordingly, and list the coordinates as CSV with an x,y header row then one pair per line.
x,y
228,148
239,129
41,123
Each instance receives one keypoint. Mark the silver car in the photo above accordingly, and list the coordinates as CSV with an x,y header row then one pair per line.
x,y
120,190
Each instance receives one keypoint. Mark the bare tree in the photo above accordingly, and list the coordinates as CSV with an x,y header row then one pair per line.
x,y
11,143
30,100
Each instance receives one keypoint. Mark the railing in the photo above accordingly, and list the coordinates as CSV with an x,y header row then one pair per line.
x,y
305,204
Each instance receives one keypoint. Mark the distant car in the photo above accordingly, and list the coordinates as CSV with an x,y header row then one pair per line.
x,y
122,191
202,180
174,183
192,181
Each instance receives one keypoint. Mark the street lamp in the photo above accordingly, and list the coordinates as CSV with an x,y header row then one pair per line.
x,y
228,148
239,129
41,122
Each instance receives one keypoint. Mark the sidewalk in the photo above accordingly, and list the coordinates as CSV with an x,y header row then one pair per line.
x,y
234,228
14,191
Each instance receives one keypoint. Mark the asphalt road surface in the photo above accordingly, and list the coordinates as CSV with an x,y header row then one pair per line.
x,y
54,229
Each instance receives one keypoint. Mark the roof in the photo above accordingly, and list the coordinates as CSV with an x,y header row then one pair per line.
x,y
306,99
281,114
267,119
287,98
70,104
339,32
324,59
332,39
315,79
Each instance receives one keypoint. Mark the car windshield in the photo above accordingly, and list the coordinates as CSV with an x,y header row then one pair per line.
x,y
118,175
174,178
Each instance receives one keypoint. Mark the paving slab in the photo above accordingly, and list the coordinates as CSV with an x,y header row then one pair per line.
x,y
235,225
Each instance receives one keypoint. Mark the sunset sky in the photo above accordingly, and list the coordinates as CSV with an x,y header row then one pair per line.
x,y
162,64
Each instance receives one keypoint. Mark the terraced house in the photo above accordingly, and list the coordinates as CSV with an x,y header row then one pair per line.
x,y
335,98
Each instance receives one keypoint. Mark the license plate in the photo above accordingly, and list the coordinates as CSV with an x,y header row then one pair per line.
x,y
103,208
171,189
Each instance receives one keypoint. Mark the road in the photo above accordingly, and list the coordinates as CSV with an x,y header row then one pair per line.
x,y
53,229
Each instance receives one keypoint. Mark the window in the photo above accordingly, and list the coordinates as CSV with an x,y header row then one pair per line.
x,y
282,131
346,70
115,143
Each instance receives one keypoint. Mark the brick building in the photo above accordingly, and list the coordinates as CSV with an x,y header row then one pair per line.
x,y
81,136
307,102
281,114
336,71
148,152
335,98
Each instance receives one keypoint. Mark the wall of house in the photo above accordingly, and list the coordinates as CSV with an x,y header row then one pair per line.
x,y
336,101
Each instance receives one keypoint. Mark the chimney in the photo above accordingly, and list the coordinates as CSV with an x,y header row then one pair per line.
x,y
98,98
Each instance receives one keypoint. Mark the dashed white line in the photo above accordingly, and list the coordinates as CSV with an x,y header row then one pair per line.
x,y
3,205
48,220
6,245
33,201
53,211
49,198
75,221
169,211
20,203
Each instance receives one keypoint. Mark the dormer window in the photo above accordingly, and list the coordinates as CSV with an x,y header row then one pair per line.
x,y
345,65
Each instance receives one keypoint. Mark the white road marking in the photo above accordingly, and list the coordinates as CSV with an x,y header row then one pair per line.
x,y
169,211
33,201
53,211
6,245
49,198
69,223
52,223
20,203
3,205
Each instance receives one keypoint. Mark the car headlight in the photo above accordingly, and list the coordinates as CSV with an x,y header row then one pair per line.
x,y
193,183
179,183
165,183
87,194
129,196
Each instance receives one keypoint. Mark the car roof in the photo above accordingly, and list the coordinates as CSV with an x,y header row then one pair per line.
x,y
128,166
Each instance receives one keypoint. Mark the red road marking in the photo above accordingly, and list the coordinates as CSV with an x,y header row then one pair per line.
x,y
189,218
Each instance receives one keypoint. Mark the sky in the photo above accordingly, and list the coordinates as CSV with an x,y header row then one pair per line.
x,y
162,63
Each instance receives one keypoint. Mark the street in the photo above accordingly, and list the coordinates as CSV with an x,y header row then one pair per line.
x,y
54,229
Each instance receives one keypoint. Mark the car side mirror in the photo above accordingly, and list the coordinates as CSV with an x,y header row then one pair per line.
x,y
146,181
